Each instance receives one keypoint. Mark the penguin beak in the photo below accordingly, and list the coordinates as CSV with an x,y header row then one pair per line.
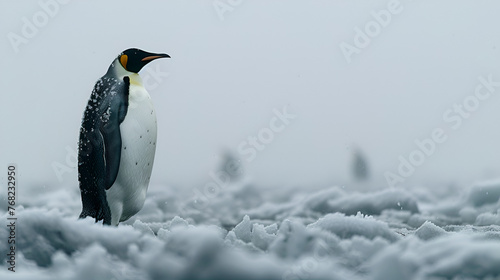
x,y
156,56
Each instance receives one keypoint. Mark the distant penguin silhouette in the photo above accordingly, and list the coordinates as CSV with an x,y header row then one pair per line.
x,y
117,141
360,171
232,166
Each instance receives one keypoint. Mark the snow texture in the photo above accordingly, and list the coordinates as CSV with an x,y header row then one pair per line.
x,y
245,232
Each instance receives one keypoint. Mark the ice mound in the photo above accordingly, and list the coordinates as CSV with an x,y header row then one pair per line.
x,y
479,205
336,199
359,225
455,256
428,231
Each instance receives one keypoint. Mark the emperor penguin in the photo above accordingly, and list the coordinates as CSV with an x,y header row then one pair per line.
x,y
117,142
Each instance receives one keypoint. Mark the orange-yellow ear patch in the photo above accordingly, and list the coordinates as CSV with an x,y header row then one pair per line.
x,y
123,60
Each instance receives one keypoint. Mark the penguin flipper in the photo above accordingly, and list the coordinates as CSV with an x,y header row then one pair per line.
x,y
90,168
111,133
97,161
112,151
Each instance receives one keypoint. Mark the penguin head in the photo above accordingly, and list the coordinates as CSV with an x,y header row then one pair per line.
x,y
134,59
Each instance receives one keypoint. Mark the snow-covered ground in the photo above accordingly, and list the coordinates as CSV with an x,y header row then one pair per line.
x,y
250,232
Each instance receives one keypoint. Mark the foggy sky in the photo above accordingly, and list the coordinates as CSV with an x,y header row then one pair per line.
x,y
235,63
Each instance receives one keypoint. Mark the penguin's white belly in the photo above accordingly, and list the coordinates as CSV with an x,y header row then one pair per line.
x,y
138,133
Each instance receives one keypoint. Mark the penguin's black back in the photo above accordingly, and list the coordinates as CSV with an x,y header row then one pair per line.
x,y
99,147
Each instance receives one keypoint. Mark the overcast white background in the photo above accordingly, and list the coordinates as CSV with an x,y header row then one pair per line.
x,y
227,74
